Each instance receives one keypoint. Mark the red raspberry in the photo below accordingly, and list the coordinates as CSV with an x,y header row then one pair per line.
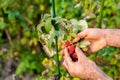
x,y
68,43
71,49
74,57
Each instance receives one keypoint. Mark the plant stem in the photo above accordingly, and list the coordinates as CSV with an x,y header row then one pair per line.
x,y
53,8
101,13
57,56
56,39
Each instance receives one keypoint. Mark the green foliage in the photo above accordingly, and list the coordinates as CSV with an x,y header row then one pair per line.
x,y
30,63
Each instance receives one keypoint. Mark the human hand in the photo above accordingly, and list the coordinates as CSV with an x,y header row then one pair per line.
x,y
95,36
83,68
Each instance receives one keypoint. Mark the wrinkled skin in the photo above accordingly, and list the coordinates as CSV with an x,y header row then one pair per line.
x,y
83,68
95,36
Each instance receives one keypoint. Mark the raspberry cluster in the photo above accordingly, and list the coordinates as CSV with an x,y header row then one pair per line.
x,y
71,50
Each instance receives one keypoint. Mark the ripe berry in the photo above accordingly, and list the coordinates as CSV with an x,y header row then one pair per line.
x,y
68,43
71,49
74,57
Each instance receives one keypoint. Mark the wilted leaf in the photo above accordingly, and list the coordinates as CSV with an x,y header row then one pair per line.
x,y
83,23
50,41
83,44
47,51
45,62
77,28
74,21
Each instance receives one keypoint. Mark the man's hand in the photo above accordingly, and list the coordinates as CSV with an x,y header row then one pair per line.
x,y
95,36
83,68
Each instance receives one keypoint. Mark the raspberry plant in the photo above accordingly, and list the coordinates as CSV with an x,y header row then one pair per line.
x,y
68,30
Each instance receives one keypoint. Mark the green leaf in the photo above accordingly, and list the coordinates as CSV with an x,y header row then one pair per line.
x,y
50,41
12,15
48,25
21,68
69,38
84,44
33,65
2,24
74,35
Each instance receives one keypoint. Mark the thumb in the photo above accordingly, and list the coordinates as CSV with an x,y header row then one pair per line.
x,y
80,35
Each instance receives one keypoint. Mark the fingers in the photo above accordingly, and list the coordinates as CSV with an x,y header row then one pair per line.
x,y
81,35
67,57
67,62
64,64
80,54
